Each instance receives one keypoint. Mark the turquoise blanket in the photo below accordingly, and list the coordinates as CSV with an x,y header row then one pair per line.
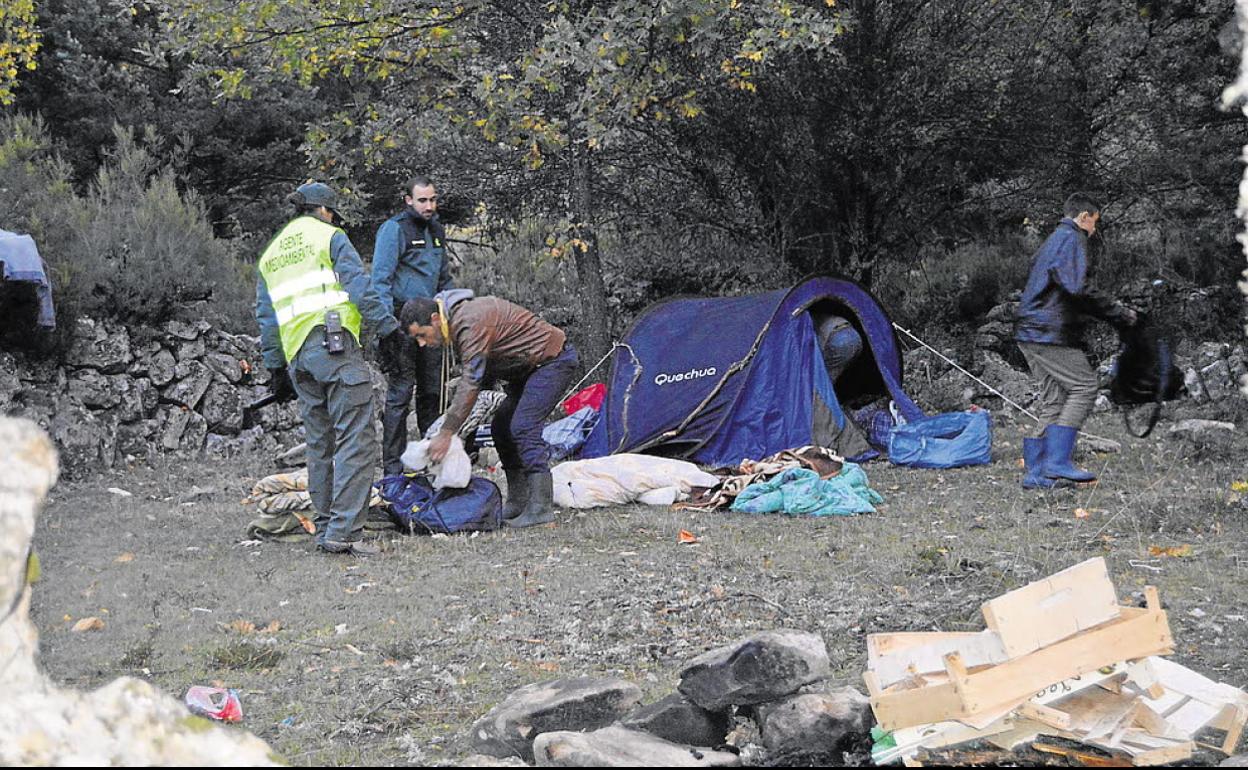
x,y
800,492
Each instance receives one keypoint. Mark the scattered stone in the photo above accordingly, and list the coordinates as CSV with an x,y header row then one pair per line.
x,y
820,724
759,668
583,703
1096,444
1237,760
618,746
1200,429
680,720
195,493
481,760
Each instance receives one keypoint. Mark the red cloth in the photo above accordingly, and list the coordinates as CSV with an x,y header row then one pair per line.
x,y
593,396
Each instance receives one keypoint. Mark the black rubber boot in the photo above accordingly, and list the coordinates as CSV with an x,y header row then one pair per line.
x,y
517,493
541,506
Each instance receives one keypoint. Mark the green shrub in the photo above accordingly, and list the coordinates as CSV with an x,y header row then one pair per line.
x,y
956,287
132,247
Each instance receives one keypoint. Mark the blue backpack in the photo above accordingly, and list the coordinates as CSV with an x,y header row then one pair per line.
x,y
417,507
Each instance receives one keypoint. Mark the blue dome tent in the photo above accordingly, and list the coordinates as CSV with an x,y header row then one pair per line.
x,y
719,380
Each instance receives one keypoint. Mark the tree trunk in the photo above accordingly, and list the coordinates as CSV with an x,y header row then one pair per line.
x,y
588,261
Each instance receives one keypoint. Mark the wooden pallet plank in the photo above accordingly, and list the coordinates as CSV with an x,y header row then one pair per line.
x,y
1055,608
1236,729
978,649
1134,635
879,645
1176,753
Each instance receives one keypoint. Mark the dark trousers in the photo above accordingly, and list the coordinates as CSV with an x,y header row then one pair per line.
x,y
422,375
517,425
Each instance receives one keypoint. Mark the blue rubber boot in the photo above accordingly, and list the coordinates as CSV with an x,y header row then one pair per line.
x,y
1059,451
1033,465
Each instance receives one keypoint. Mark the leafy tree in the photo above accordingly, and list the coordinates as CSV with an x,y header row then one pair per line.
x,y
19,42
560,86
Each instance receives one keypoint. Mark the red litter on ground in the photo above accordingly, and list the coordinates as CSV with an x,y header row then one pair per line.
x,y
215,703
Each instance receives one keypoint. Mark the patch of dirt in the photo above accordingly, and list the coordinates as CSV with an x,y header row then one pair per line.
x,y
389,660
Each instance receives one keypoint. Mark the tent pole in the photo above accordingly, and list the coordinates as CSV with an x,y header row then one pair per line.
x,y
991,389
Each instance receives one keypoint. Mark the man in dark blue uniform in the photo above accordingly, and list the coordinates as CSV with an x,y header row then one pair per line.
x,y
410,262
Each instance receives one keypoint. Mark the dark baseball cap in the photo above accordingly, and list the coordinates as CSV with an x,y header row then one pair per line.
x,y
318,194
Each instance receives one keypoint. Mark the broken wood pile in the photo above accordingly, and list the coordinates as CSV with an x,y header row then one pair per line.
x,y
1060,657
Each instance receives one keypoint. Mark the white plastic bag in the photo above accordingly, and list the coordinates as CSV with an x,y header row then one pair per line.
x,y
455,470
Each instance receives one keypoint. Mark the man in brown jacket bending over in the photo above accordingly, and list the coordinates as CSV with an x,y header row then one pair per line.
x,y
497,340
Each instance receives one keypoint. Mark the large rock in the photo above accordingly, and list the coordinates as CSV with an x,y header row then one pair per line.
x,y
139,399
250,440
223,408
182,430
192,350
680,720
98,346
141,365
185,331
1211,352
139,439
162,368
226,366
618,746
1010,382
1195,386
191,388
584,703
86,441
815,724
759,668
1219,383
94,390
125,723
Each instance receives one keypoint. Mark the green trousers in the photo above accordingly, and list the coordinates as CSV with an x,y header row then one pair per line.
x,y
336,401
1067,383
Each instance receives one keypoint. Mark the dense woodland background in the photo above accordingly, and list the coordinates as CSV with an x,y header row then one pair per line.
x,y
603,155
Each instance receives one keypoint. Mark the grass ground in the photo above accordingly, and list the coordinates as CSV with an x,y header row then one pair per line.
x,y
388,660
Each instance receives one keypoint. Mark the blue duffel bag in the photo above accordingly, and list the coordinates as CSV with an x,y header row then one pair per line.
x,y
417,507
943,441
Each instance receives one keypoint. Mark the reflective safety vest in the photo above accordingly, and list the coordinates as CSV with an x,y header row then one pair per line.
x,y
299,273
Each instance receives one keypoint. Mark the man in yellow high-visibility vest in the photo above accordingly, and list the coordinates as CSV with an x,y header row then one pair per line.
x,y
311,296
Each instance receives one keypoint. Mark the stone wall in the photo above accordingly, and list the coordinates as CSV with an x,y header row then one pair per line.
x,y
1212,371
121,395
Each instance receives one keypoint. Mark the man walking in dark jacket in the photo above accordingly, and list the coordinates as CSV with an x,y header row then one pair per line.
x,y
498,340
410,261
1049,332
